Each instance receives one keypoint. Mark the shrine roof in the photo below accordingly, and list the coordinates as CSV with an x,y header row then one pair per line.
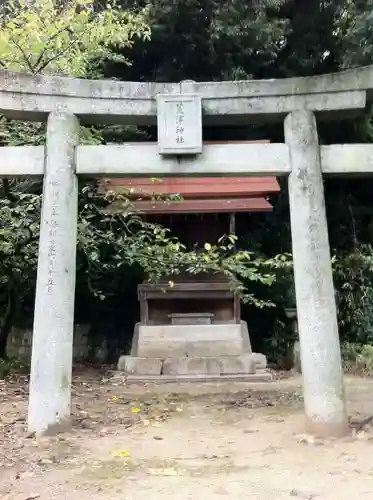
x,y
197,187
196,206
199,194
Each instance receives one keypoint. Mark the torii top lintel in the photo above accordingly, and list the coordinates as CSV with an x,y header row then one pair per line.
x,y
33,97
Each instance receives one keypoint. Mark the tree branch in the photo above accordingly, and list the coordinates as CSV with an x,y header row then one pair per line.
x,y
26,59
41,55
48,61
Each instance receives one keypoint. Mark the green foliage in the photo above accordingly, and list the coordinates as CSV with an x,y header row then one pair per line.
x,y
10,366
64,37
357,358
354,31
19,232
243,33
218,39
353,277
279,344
109,239
19,227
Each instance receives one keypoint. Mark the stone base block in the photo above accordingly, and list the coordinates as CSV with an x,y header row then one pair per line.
x,y
296,357
140,366
258,377
260,360
194,365
222,365
175,341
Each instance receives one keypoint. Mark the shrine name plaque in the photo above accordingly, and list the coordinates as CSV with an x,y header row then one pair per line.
x,y
179,120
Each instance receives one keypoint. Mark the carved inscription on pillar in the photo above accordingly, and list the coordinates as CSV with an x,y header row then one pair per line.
x,y
179,118
53,226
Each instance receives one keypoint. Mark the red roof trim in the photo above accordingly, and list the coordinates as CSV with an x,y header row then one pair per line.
x,y
200,194
232,205
195,187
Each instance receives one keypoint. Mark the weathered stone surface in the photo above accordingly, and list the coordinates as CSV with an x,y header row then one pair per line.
x,y
239,159
191,319
316,308
135,339
52,351
140,366
22,160
245,335
131,102
179,120
190,340
209,365
19,345
263,108
347,159
191,366
297,364
259,377
259,360
133,160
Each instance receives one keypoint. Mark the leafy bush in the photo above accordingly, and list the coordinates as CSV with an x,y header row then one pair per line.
x,y
48,36
357,358
353,278
11,365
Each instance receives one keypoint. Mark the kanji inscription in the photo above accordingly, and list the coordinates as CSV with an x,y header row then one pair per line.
x,y
179,124
53,226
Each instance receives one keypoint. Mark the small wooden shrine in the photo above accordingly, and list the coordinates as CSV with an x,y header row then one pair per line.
x,y
194,328
205,210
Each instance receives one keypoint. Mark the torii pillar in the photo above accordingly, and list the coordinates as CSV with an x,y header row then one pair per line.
x,y
323,386
52,343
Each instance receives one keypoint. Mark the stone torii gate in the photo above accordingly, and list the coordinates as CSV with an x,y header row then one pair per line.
x,y
179,109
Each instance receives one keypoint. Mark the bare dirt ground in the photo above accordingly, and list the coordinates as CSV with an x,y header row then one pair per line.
x,y
200,442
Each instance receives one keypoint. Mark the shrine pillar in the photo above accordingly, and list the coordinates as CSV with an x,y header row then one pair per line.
x,y
52,346
323,387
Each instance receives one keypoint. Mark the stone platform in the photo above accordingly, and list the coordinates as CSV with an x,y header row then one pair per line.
x,y
259,377
173,341
199,352
206,365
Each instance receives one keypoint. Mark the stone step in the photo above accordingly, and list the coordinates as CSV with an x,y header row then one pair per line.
x,y
258,377
217,365
205,365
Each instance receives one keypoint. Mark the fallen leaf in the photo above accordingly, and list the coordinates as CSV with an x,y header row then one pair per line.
x,y
309,439
47,461
362,436
136,410
121,454
168,471
302,494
